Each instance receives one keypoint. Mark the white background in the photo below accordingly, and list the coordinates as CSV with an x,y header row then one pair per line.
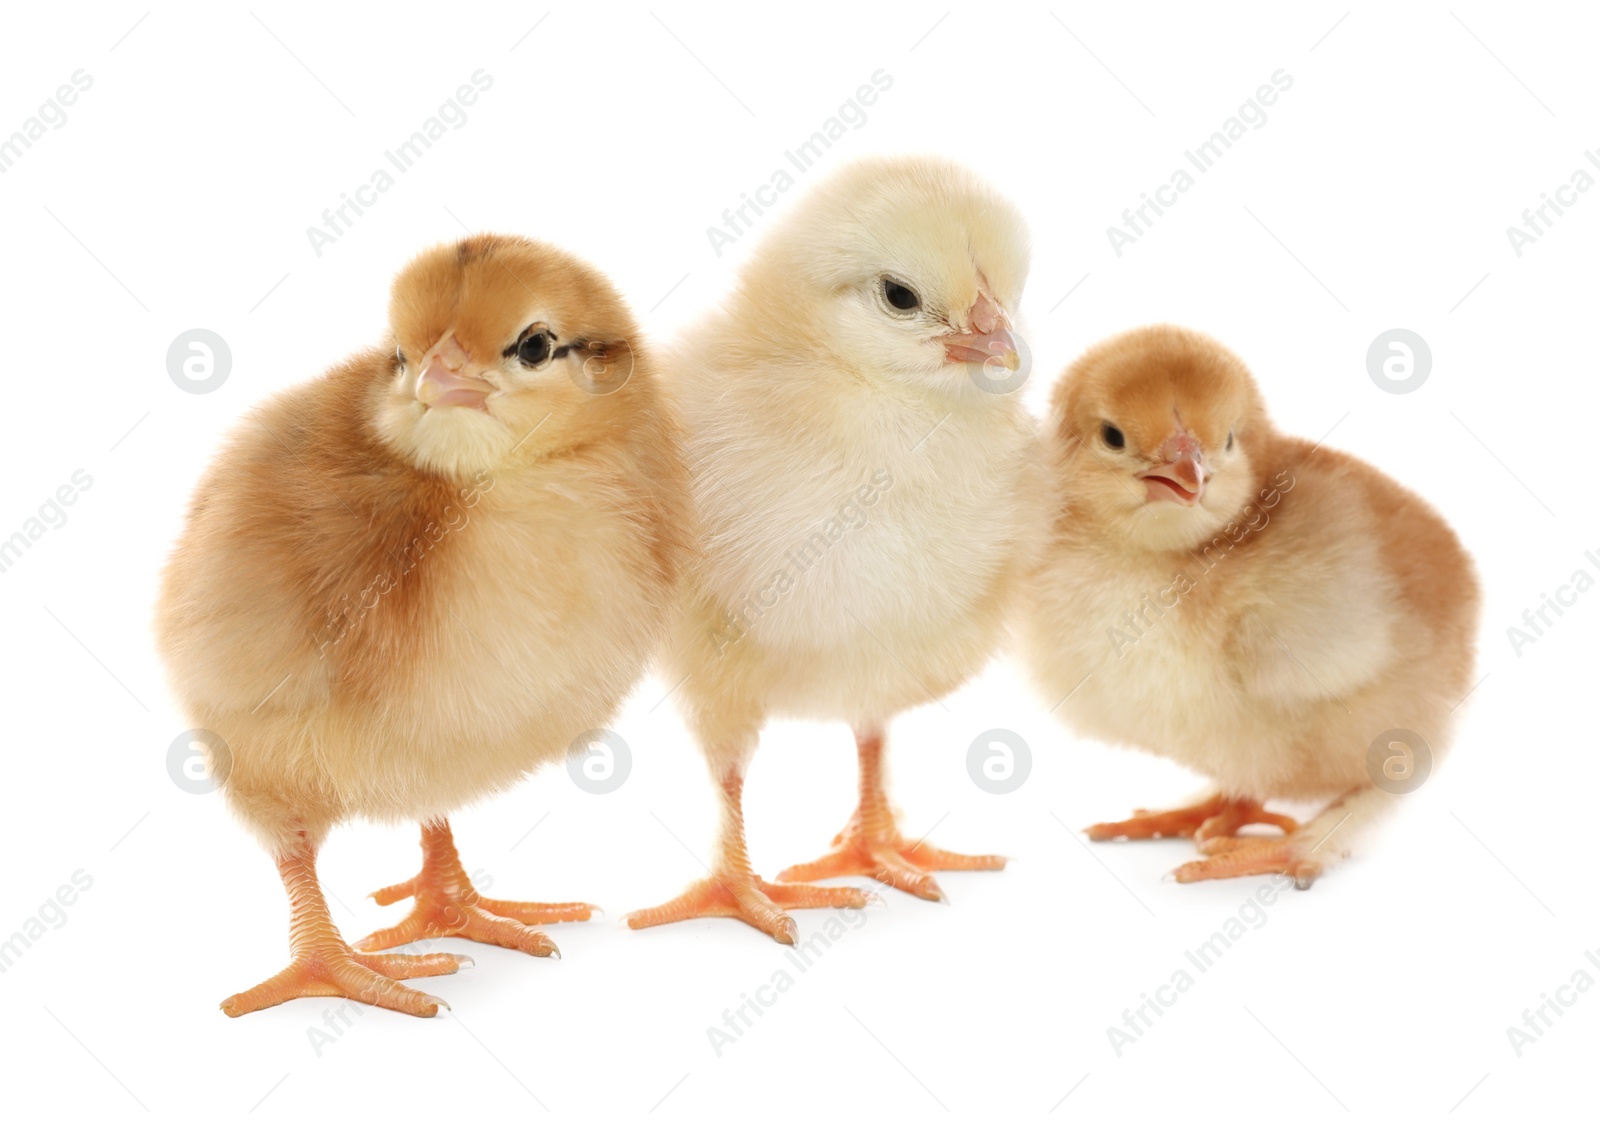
x,y
1377,195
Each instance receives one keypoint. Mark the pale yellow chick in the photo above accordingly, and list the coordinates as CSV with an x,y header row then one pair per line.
x,y
866,482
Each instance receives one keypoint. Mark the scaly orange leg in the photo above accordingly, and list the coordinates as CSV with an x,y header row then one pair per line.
x,y
733,890
872,845
447,905
322,964
1216,817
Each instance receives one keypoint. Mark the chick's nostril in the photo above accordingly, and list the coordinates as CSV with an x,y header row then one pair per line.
x,y
985,315
1181,447
450,352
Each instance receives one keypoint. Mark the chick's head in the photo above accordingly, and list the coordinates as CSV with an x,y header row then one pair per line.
x,y
908,267
1159,433
503,347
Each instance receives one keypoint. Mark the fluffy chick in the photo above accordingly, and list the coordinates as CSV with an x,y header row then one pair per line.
x,y
408,583
1273,614
864,490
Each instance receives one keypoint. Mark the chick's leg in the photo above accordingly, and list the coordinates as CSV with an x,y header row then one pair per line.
x,y
872,845
1217,816
447,905
733,890
322,964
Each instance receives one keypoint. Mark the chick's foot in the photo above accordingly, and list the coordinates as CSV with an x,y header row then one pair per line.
x,y
337,970
754,901
447,905
322,964
1238,857
1214,818
871,845
733,890
891,860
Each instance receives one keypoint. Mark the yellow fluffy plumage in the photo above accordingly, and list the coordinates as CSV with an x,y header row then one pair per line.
x,y
865,496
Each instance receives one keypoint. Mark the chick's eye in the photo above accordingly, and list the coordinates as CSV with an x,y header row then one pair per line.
x,y
1230,439
1112,436
900,296
535,349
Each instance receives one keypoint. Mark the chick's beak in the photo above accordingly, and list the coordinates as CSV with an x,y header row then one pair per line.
x,y
450,378
990,337
1182,479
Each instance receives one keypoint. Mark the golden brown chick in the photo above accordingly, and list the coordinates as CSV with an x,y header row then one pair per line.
x,y
865,482
1275,615
408,583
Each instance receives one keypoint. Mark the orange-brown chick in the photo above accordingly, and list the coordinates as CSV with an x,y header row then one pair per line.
x,y
1278,616
405,585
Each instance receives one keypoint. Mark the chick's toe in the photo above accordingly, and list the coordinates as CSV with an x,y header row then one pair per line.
x,y
1240,857
1213,818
